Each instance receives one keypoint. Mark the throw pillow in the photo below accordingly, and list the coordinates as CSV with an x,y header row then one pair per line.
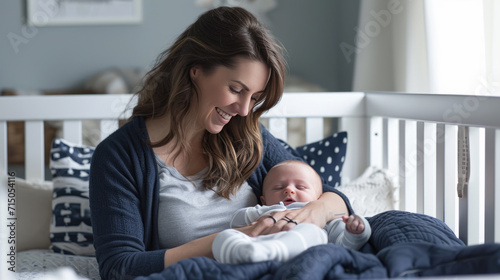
x,y
326,156
372,193
33,212
70,228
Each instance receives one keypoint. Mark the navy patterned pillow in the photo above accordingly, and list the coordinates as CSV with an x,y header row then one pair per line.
x,y
70,228
326,156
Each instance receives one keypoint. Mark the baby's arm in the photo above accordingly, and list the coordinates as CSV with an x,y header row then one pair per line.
x,y
354,224
348,233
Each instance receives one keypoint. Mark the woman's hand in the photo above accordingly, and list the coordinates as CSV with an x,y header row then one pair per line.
x,y
328,207
269,224
259,227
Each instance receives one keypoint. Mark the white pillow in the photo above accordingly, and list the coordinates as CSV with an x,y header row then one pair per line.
x,y
33,212
372,193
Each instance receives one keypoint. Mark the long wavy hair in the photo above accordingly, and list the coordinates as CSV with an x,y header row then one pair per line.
x,y
216,38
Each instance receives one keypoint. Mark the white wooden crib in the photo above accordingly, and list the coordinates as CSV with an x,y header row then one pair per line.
x,y
412,135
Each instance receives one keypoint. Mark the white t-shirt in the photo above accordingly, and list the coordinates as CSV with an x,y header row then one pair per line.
x,y
187,211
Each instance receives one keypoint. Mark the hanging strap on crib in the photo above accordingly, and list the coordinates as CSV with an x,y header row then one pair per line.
x,y
463,160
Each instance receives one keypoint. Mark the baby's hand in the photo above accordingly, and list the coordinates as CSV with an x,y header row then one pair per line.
x,y
354,224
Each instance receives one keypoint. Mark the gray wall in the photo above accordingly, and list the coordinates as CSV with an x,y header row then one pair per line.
x,y
312,32
64,57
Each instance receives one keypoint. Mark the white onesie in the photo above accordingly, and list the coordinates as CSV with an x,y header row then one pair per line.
x,y
235,247
335,229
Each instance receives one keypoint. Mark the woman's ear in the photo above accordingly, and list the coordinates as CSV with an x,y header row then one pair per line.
x,y
194,72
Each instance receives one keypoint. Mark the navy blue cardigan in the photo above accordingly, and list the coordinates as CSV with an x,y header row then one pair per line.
x,y
124,191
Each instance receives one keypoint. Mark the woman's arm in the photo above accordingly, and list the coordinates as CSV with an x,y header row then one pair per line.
x,y
122,209
201,247
328,207
196,248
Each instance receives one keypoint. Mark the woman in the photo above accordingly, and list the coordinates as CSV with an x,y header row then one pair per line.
x,y
165,183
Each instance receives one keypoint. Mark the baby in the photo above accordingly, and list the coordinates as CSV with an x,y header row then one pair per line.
x,y
288,185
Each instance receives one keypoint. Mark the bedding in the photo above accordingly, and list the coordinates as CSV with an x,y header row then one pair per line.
x,y
39,264
403,244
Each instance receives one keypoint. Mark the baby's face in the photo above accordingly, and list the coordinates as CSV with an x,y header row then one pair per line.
x,y
292,182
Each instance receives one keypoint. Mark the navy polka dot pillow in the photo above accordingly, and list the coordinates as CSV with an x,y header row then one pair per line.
x,y
326,156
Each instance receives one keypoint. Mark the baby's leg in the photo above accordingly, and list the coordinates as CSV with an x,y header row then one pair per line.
x,y
224,247
232,246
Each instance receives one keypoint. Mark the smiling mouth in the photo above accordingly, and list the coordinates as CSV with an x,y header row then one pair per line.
x,y
223,114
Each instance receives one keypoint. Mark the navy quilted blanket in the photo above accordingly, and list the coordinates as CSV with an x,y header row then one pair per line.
x,y
402,245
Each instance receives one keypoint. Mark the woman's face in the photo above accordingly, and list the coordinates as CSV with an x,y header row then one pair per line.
x,y
224,92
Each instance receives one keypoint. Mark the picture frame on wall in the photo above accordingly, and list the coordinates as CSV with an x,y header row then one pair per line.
x,y
83,12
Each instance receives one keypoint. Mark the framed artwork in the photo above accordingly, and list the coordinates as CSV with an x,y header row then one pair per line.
x,y
83,12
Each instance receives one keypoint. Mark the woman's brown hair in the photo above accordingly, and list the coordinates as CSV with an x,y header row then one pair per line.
x,y
217,38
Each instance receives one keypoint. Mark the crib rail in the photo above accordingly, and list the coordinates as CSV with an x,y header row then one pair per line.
x,y
70,110
412,135
416,138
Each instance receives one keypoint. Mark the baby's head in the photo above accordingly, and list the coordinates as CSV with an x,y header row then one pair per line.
x,y
291,181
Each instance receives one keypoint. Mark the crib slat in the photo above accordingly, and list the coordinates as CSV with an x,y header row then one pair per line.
x,y
34,151
475,190
376,142
489,182
426,168
108,127
401,163
393,146
314,129
3,147
410,164
496,174
356,155
411,172
385,141
440,146
420,160
450,215
72,131
429,169
392,149
278,128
